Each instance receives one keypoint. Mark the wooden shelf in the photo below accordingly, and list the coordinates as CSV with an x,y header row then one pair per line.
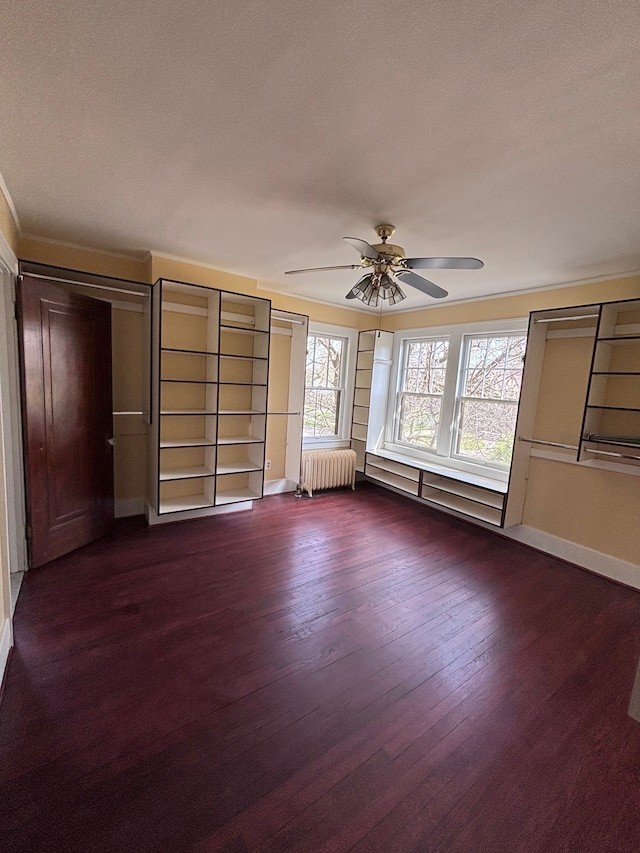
x,y
468,492
237,468
241,412
183,504
462,505
185,473
239,439
235,496
614,408
188,351
191,381
241,330
169,444
243,357
403,484
628,441
246,384
187,412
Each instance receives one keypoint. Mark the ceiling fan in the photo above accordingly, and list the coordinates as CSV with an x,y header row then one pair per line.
x,y
387,263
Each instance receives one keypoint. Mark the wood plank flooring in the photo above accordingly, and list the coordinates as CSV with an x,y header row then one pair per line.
x,y
348,673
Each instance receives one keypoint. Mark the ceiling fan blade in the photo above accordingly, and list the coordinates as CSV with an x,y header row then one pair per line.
x,y
422,284
444,264
358,287
320,269
363,247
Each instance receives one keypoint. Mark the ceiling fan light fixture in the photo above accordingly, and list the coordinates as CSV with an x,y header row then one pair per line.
x,y
390,290
371,292
395,295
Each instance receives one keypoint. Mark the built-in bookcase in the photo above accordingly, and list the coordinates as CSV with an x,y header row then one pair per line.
x,y
611,428
373,368
211,368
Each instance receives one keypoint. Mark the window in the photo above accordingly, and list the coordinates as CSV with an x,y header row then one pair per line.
x,y
457,395
488,402
323,386
425,364
328,394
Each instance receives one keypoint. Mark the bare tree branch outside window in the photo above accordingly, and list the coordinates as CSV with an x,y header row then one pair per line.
x,y
489,404
421,393
323,386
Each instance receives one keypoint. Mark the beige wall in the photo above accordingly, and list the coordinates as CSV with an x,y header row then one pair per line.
x,y
8,225
506,307
177,270
130,431
86,260
319,313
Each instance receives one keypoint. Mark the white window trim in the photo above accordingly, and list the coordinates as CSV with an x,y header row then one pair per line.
x,y
455,335
349,367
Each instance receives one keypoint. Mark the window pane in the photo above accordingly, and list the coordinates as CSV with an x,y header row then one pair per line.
x,y
419,420
425,367
321,412
324,362
493,368
487,429
334,360
323,386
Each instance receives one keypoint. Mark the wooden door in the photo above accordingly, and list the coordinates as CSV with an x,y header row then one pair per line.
x,y
65,343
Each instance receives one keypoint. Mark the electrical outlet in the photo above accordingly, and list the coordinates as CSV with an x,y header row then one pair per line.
x,y
267,465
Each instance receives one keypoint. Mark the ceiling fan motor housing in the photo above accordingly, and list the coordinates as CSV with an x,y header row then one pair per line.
x,y
390,256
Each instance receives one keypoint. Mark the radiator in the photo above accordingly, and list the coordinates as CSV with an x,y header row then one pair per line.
x,y
328,469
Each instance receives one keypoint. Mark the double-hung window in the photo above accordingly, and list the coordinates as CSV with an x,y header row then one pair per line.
x,y
457,395
422,389
328,394
487,404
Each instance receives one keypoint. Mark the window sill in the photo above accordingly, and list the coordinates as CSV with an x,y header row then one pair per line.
x,y
483,481
326,444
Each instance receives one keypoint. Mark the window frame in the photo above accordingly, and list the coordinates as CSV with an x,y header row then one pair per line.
x,y
443,454
461,396
401,392
347,383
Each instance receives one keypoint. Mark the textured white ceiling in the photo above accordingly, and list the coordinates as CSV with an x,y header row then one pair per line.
x,y
254,135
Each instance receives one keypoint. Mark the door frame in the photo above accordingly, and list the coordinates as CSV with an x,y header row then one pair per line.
x,y
11,415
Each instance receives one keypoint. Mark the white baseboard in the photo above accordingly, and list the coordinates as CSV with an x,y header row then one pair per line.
x,y
154,518
587,558
6,641
277,487
129,506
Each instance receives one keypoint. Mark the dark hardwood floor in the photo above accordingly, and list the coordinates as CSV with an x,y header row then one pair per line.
x,y
352,672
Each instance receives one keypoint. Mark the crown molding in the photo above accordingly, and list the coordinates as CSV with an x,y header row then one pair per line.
x,y
138,257
372,313
503,294
205,265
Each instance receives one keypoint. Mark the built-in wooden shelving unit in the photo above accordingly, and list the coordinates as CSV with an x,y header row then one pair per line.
x,y
611,426
211,365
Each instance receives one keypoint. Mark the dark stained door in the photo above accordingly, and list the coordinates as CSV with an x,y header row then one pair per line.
x,y
65,342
